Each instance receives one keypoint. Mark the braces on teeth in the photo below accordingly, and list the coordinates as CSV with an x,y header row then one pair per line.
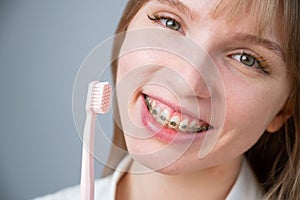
x,y
173,122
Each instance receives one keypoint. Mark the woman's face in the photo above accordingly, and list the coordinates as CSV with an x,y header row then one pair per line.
x,y
232,90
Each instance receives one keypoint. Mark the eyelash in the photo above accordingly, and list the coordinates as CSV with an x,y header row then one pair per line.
x,y
157,17
260,64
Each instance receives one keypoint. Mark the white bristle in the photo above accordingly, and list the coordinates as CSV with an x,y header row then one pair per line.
x,y
99,97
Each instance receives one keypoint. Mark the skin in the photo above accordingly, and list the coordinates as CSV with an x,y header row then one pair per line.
x,y
250,95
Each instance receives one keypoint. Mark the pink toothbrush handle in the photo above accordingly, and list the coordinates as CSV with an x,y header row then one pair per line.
x,y
87,163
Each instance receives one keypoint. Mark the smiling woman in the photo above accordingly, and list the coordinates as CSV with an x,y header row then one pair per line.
x,y
207,101
258,59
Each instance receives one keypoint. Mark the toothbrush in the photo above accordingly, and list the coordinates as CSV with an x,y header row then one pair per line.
x,y
98,101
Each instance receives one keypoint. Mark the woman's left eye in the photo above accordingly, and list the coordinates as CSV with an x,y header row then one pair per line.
x,y
166,21
251,61
245,59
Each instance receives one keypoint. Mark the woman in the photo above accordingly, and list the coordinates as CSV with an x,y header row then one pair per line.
x,y
221,125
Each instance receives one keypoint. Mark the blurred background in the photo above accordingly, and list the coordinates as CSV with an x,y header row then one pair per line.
x,y
42,45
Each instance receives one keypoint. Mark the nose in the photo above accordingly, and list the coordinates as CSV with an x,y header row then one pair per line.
x,y
194,74
192,81
200,70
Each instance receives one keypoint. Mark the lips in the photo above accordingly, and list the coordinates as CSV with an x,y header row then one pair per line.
x,y
171,119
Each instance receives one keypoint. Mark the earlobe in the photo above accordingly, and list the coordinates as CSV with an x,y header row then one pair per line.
x,y
277,123
279,120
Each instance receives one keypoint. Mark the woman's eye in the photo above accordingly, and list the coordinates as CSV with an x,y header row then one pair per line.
x,y
166,21
245,59
171,23
252,62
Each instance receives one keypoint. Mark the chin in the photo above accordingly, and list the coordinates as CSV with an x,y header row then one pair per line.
x,y
154,165
173,169
182,164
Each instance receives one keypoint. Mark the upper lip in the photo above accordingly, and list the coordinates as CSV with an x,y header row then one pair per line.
x,y
177,108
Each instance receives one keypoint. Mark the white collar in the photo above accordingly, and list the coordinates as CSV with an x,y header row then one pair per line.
x,y
246,186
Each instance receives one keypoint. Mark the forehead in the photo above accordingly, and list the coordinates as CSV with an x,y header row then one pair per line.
x,y
261,11
258,17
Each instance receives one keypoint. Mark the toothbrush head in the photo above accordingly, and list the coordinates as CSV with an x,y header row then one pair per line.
x,y
98,98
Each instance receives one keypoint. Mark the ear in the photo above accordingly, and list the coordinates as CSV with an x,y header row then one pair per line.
x,y
280,119
277,123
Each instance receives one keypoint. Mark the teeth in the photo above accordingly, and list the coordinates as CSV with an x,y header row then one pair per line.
x,y
152,104
192,126
149,106
165,118
174,122
156,111
183,126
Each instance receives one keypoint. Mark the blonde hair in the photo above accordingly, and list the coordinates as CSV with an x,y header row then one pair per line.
x,y
275,157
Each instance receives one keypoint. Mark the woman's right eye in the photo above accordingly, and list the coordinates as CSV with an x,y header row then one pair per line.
x,y
166,21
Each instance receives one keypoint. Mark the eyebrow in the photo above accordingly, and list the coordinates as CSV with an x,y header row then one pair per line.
x,y
268,44
177,5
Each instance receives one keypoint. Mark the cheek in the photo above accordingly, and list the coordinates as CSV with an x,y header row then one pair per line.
x,y
137,63
250,107
125,65
248,113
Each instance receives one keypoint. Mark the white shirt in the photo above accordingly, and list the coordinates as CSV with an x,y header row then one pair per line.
x,y
245,187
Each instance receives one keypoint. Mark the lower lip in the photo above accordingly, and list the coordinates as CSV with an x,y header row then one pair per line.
x,y
164,134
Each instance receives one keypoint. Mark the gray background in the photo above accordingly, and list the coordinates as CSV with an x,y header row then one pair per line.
x,y
42,45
